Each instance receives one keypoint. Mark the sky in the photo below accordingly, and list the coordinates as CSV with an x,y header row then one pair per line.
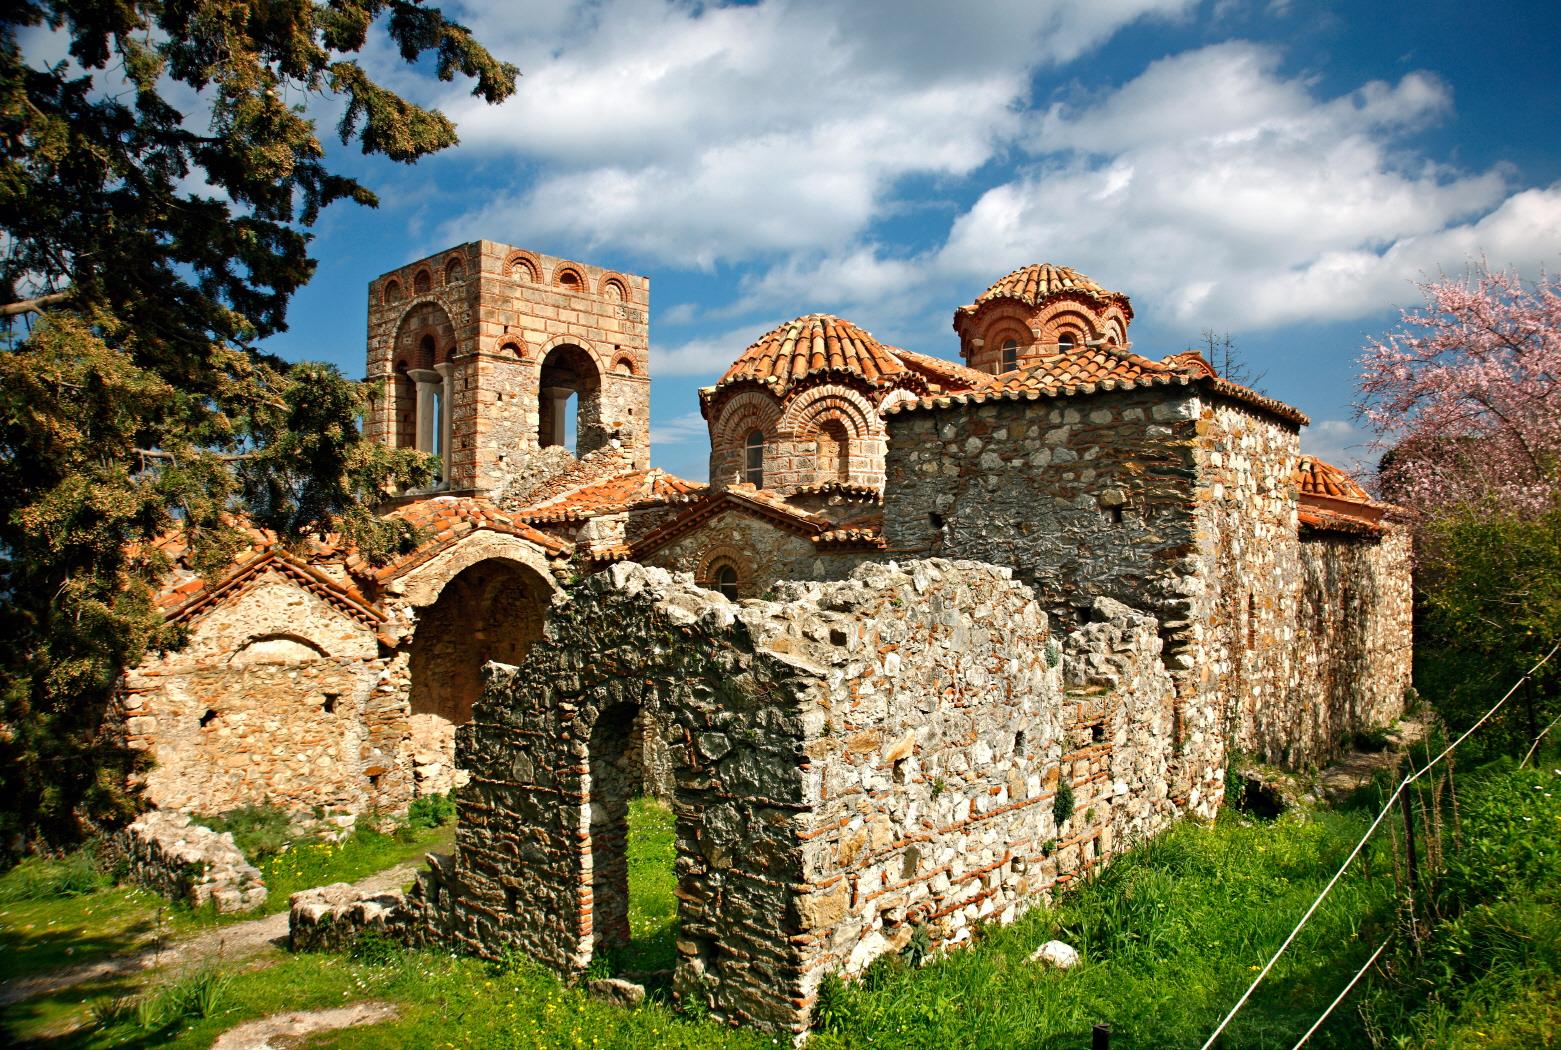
x,y
1281,172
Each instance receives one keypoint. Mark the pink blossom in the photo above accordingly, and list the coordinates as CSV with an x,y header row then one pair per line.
x,y
1465,395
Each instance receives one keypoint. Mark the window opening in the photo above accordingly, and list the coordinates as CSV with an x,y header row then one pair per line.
x,y
208,718
1066,342
330,702
726,581
1010,355
569,402
753,459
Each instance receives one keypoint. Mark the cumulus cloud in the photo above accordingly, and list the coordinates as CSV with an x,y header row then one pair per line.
x,y
695,135
706,356
688,428
1340,442
1222,193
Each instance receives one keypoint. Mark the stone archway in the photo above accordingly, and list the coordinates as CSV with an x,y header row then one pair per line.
x,y
490,610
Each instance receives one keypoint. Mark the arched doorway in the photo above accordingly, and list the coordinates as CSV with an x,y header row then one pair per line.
x,y
492,610
569,411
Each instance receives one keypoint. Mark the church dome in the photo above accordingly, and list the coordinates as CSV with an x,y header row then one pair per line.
x,y
785,356
1035,284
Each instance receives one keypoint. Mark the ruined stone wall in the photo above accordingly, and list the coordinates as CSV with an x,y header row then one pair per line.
x,y
1354,634
1244,642
1083,496
272,700
853,761
187,862
762,553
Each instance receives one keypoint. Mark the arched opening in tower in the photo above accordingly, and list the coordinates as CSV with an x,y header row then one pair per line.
x,y
569,410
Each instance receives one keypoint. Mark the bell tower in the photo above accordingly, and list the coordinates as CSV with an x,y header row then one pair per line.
x,y
517,369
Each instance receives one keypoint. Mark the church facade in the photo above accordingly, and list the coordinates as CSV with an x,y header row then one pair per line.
x,y
1052,449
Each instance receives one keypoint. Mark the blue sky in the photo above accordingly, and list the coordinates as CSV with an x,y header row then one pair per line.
x,y
1283,172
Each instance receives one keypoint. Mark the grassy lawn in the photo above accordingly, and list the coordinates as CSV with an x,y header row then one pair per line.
x,y
1170,935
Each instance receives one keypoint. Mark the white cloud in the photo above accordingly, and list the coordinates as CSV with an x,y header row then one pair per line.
x,y
708,356
1340,442
1220,193
686,429
697,134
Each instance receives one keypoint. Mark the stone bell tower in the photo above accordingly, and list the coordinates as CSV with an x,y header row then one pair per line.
x,y
487,354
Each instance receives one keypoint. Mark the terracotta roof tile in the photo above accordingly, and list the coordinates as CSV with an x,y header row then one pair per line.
x,y
446,519
788,354
1034,284
1091,368
638,488
1332,501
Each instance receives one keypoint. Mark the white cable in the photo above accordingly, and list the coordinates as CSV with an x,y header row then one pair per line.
x,y
1331,1006
1362,845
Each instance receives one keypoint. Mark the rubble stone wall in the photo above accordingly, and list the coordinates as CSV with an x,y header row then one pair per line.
x,y
1355,634
268,702
191,863
849,762
762,553
1245,639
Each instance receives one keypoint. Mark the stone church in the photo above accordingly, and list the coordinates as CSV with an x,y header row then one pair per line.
x,y
1053,448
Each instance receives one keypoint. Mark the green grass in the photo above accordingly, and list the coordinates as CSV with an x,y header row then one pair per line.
x,y
1170,935
362,853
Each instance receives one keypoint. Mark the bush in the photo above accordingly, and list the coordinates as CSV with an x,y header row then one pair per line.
x,y
258,831
431,811
1062,805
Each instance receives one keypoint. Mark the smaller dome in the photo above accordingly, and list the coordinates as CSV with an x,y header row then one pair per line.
x,y
784,356
1034,284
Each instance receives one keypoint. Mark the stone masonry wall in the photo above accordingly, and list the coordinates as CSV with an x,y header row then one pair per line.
x,y
1084,496
763,554
1244,641
190,863
1354,633
850,762
270,701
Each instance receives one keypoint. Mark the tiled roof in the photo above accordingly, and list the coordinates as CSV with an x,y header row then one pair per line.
x,y
1332,501
746,499
1092,368
447,519
816,343
1034,284
1316,478
637,488
945,374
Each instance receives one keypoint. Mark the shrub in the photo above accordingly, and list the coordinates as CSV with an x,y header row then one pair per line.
x,y
258,831
431,811
1062,805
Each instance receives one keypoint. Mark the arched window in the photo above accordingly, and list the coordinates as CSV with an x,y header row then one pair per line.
x,y
422,282
454,270
753,459
1066,342
1010,355
726,581
392,291
569,412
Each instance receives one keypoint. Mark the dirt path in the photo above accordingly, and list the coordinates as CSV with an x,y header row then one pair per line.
x,y
279,1030
229,943
1355,769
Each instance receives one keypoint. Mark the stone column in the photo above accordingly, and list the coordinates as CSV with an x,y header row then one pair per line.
x,y
427,381
446,406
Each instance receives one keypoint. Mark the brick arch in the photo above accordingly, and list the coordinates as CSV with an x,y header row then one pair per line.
x,y
566,340
1066,319
425,319
572,276
999,331
807,411
1001,315
392,292
510,344
422,281
523,266
744,412
624,364
454,268
611,281
713,558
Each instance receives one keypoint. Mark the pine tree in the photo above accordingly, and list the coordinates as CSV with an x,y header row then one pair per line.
x,y
133,397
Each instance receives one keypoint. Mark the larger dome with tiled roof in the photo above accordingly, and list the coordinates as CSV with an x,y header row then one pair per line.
x,y
807,345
